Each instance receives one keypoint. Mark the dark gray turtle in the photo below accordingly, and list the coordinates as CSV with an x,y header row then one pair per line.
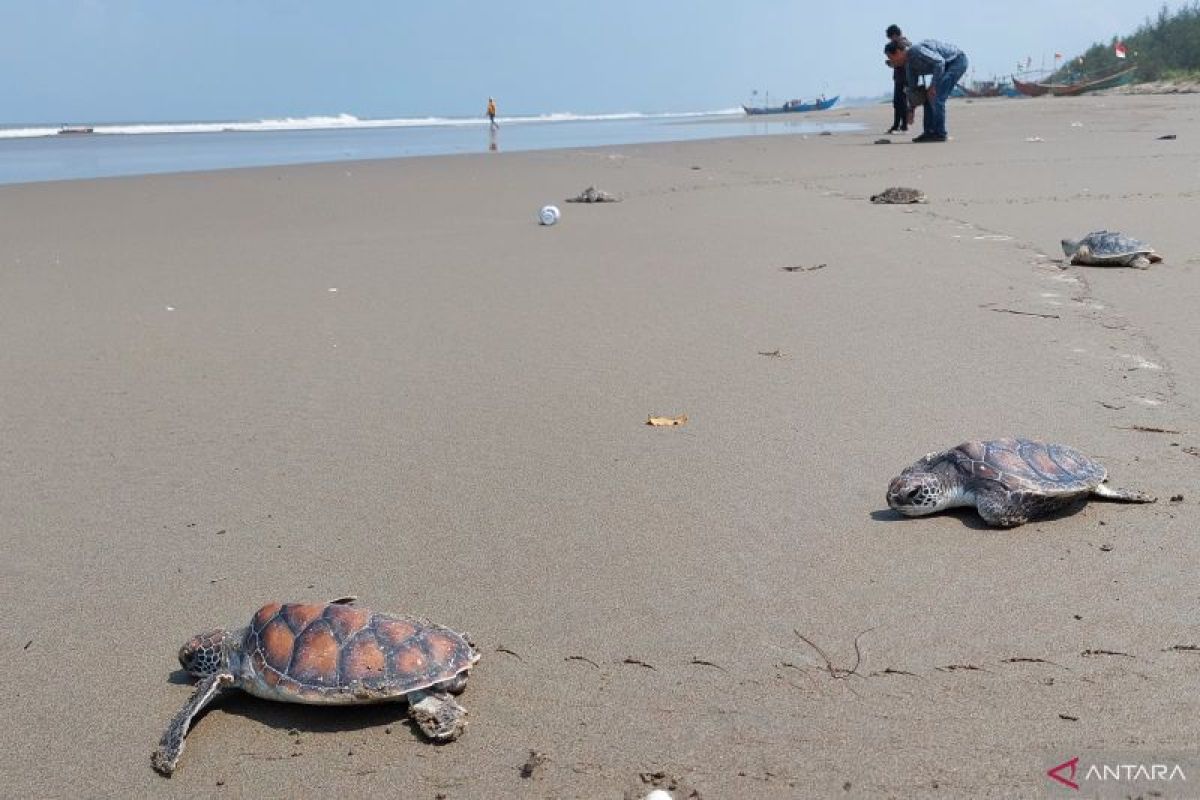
x,y
899,195
1009,481
593,195
330,654
1110,249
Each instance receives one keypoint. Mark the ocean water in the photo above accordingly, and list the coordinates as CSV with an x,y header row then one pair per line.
x,y
34,153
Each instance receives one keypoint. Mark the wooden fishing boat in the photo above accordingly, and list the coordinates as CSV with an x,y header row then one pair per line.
x,y
1119,78
1030,89
792,107
1114,79
981,89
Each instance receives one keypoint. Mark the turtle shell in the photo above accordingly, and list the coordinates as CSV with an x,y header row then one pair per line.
x,y
1109,244
338,653
899,195
1025,465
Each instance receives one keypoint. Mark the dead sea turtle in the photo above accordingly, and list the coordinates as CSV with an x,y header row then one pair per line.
x,y
593,195
899,195
329,653
1110,249
1009,481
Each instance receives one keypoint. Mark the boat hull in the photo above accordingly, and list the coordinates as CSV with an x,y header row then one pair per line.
x,y
1072,89
792,108
1030,89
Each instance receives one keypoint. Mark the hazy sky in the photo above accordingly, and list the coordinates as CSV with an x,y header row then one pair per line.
x,y
150,60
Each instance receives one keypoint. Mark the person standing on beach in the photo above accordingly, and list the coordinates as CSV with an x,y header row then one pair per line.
x,y
491,112
899,97
944,63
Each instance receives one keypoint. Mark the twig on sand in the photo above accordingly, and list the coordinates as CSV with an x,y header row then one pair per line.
x,y
893,671
840,673
1020,313
512,653
585,659
1145,429
700,662
1028,660
639,662
1105,653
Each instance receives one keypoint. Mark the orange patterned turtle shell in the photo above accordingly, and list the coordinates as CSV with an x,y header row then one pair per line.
x,y
1025,465
338,653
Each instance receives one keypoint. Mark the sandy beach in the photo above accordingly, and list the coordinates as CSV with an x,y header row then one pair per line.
x,y
386,379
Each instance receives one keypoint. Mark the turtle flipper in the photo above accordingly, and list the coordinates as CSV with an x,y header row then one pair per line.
x,y
437,715
1140,262
1122,495
999,509
456,685
170,747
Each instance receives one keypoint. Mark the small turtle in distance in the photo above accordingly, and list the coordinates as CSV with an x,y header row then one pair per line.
x,y
899,195
593,195
329,654
1110,249
1009,481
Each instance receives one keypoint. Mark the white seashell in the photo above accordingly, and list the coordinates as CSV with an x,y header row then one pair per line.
x,y
549,215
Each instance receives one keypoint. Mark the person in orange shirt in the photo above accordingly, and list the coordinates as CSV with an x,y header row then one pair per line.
x,y
491,112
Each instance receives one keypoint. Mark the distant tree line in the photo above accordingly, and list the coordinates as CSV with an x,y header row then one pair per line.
x,y
1163,48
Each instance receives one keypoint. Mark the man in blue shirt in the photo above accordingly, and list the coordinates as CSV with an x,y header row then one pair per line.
x,y
944,63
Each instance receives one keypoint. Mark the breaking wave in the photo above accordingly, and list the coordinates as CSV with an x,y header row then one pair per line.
x,y
340,121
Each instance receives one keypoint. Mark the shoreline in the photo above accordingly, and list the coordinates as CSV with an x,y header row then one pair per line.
x,y
196,423
102,154
94,157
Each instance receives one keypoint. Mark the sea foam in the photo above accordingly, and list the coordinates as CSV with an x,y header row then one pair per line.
x,y
345,121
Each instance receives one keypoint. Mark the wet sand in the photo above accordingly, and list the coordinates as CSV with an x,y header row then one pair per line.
x,y
194,423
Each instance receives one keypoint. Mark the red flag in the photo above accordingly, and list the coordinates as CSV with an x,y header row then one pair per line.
x,y
1057,56
1119,49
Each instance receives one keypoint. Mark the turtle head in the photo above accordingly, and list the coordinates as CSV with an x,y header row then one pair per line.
x,y
1072,246
205,653
917,492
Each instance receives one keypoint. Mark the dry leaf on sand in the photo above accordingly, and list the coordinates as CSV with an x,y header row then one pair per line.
x,y
667,421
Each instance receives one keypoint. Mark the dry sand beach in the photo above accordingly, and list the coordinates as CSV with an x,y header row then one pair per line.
x,y
194,423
